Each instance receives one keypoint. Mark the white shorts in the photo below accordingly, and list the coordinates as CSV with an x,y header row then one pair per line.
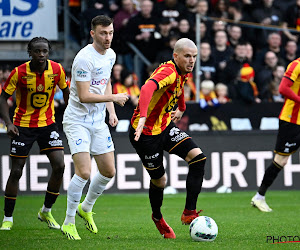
x,y
85,138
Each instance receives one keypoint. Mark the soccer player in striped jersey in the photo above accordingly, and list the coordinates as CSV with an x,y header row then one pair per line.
x,y
288,139
35,83
153,131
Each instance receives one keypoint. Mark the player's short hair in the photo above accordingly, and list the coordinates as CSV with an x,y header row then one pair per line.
x,y
183,42
37,40
101,20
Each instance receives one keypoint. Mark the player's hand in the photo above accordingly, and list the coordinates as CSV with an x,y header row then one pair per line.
x,y
113,120
12,131
176,115
139,128
120,99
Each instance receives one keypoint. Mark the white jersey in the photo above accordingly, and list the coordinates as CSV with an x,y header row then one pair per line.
x,y
89,65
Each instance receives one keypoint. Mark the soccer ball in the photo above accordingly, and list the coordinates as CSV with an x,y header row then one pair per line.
x,y
203,228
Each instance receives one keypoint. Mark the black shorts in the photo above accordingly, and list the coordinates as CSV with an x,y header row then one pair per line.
x,y
288,138
47,138
150,148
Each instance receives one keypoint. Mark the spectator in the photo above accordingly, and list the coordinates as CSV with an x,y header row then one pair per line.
x,y
271,92
273,44
234,65
204,33
120,22
128,86
290,52
190,88
167,53
292,20
237,13
124,14
191,6
163,33
234,35
222,93
202,9
172,9
246,87
220,9
140,30
264,75
267,14
184,30
208,96
221,52
207,63
94,8
116,73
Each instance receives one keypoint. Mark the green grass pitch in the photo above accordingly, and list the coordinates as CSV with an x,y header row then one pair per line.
x,y
124,222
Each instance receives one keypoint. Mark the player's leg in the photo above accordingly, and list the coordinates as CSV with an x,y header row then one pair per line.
x,y
82,164
11,191
287,142
196,160
156,193
20,147
106,167
150,151
79,144
102,148
50,144
270,175
56,159
180,143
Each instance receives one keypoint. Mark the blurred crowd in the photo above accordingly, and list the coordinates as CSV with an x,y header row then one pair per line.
x,y
245,45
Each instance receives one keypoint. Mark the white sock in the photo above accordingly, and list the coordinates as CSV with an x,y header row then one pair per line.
x,y
96,188
8,218
259,197
45,209
73,197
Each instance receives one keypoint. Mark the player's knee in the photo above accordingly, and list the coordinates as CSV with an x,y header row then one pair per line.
x,y
109,173
196,165
281,160
59,169
16,173
161,182
83,173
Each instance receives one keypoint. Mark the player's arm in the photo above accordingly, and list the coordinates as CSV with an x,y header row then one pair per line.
x,y
147,91
178,113
285,89
85,96
12,130
66,93
113,119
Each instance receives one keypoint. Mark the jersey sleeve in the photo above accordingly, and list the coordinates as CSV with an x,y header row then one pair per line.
x,y
293,70
82,69
62,80
163,77
11,82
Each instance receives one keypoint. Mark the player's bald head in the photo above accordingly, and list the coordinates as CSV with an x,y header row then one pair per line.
x,y
184,43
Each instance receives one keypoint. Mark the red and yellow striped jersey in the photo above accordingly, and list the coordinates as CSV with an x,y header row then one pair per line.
x,y
133,90
169,87
290,110
34,93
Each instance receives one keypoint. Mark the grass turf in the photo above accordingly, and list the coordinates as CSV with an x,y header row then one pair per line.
x,y
124,222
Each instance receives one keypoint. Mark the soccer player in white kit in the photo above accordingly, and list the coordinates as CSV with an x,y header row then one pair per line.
x,y
85,127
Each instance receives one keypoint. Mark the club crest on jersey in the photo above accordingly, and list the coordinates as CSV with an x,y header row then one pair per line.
x,y
40,87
